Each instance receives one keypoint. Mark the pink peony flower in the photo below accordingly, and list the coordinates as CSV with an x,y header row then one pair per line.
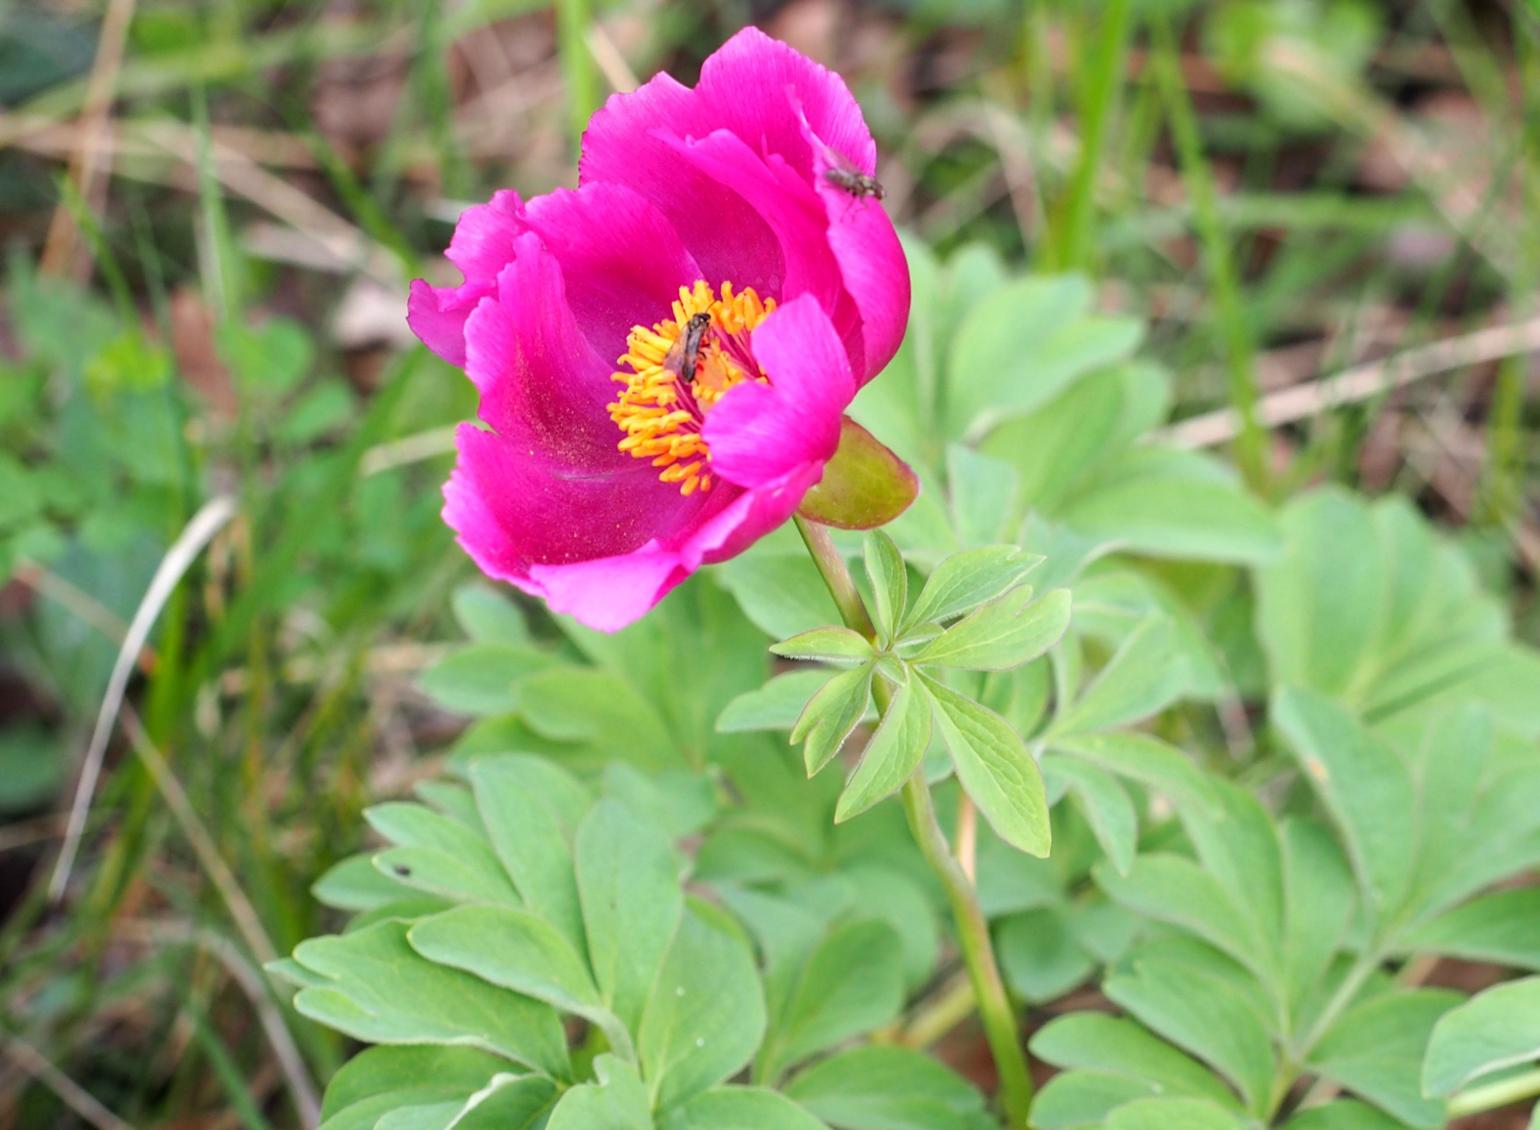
x,y
725,245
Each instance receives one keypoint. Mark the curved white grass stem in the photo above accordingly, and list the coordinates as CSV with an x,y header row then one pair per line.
x,y
183,552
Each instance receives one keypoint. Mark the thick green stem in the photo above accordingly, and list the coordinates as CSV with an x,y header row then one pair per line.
x,y
831,567
995,1011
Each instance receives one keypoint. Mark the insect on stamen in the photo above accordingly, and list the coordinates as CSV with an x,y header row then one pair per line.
x,y
683,358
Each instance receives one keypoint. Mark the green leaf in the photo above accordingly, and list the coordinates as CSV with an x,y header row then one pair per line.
x,y
1344,1115
851,983
1079,1100
774,706
1110,601
451,799
890,583
1376,1049
881,891
531,810
1005,633
1019,345
1321,898
1098,1042
679,802
1499,927
356,884
438,854
780,592
1105,802
831,715
1172,1114
1144,759
887,1088
422,1116
891,756
1320,605
518,951
381,1078
384,992
705,1016
1367,788
1200,1012
508,1102
825,643
1143,676
486,615
1039,955
618,1101
966,580
1169,503
1169,888
130,363
1061,444
1237,842
984,496
995,768
601,710
628,885
1495,1029
740,1108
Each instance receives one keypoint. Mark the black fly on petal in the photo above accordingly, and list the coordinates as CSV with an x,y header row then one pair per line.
x,y
856,183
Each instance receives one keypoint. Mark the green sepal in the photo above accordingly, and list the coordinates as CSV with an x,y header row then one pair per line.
x,y
864,486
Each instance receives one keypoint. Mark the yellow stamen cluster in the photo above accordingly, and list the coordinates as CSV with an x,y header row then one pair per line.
x,y
661,411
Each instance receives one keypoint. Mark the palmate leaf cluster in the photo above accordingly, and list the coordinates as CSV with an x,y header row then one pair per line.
x,y
520,903
1282,762
973,614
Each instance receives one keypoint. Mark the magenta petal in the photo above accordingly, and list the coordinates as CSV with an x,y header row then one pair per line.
x,y
724,234
482,245
725,183
437,316
611,592
876,273
795,213
543,388
514,510
622,260
761,89
871,260
754,514
759,433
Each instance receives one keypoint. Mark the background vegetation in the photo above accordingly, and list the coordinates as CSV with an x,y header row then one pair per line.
x,y
210,212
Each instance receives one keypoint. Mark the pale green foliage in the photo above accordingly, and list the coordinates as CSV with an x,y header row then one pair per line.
x,y
1067,627
469,974
972,614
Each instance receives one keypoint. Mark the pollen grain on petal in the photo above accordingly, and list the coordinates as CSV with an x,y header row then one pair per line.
x,y
675,371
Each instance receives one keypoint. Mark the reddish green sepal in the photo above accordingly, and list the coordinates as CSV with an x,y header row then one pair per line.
x,y
864,486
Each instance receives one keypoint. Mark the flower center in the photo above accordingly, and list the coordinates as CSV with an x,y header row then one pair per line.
x,y
676,370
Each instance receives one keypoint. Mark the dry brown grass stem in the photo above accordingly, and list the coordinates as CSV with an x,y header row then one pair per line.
x,y
61,249
1361,382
